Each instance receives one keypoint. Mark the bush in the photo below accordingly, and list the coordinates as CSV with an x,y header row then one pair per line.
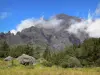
x,y
64,64
98,62
70,62
73,62
64,61
40,60
85,63
46,63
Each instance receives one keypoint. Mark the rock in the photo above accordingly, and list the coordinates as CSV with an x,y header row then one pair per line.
x,y
26,60
57,37
9,58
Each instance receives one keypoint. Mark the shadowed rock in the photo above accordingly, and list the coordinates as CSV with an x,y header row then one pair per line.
x,y
9,58
26,60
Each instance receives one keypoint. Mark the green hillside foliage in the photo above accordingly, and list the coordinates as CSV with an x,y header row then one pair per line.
x,y
86,54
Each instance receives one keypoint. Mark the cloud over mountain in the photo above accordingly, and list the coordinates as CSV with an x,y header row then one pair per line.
x,y
90,26
48,24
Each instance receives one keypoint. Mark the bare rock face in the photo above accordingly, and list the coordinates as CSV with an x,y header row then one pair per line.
x,y
26,59
56,38
9,58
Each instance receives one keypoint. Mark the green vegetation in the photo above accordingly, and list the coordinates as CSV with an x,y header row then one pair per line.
x,y
86,54
83,59
4,49
38,69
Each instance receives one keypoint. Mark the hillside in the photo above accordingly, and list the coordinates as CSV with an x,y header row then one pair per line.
x,y
56,38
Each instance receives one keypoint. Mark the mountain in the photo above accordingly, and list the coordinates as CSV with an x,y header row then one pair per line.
x,y
56,38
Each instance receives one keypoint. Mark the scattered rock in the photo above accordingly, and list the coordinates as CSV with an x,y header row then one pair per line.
x,y
26,60
9,58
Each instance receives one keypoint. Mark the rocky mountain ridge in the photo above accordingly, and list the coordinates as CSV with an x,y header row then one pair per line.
x,y
56,38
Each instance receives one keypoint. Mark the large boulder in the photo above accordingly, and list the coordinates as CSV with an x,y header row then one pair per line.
x,y
26,59
9,58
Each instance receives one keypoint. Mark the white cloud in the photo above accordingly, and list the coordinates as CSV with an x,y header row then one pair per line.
x,y
25,24
93,28
51,23
90,26
4,15
97,11
13,31
74,28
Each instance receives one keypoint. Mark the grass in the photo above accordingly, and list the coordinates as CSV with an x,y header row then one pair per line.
x,y
6,69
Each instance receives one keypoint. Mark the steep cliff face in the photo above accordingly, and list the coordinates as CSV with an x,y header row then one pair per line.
x,y
56,38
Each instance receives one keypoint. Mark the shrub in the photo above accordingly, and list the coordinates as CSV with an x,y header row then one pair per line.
x,y
64,64
85,63
46,63
98,62
64,61
73,62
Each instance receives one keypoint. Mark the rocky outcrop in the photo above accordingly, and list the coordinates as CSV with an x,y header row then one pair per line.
x,y
26,59
56,38
9,58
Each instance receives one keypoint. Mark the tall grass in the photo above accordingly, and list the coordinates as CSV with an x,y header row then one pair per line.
x,y
41,70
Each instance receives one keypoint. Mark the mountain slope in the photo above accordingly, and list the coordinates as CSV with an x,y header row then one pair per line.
x,y
56,38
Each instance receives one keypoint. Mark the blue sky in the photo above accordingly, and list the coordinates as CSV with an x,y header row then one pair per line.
x,y
12,12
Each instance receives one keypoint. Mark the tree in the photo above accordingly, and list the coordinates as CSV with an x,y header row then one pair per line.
x,y
90,51
28,49
47,54
4,49
18,50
